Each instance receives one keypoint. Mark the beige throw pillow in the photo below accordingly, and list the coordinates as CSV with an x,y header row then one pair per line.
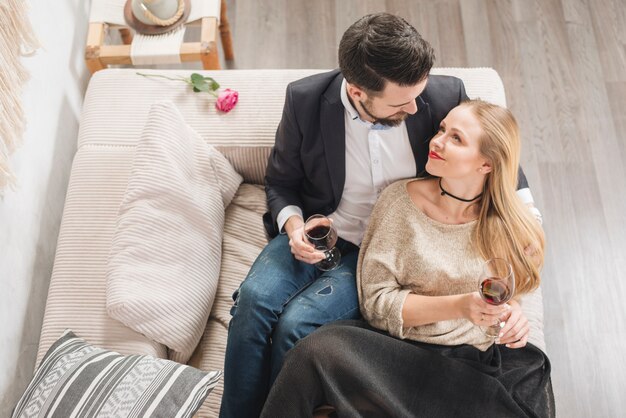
x,y
164,263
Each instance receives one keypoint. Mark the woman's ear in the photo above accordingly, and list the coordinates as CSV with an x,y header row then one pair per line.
x,y
485,168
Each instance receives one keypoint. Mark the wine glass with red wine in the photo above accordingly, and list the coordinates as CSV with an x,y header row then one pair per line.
x,y
497,285
319,231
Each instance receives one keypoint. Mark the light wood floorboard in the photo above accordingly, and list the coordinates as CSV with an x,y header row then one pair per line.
x,y
563,63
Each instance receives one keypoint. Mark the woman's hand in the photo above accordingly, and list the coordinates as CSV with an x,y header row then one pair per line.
x,y
300,248
516,330
479,312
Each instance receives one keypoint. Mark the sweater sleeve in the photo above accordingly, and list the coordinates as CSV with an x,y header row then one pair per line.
x,y
381,296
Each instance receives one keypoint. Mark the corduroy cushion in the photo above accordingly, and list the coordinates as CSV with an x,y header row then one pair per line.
x,y
79,380
164,262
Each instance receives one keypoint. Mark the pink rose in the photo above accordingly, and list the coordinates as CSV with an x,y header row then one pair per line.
x,y
226,100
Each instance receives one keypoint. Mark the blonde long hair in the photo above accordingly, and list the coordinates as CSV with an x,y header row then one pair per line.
x,y
505,227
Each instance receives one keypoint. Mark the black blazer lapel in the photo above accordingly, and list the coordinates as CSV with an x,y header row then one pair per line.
x,y
334,136
420,128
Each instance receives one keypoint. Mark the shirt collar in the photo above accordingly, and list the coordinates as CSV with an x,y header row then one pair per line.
x,y
352,112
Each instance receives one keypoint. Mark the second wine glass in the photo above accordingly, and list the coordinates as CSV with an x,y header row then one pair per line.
x,y
319,231
497,285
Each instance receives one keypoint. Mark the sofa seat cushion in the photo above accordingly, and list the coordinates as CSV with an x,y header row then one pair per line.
x,y
244,238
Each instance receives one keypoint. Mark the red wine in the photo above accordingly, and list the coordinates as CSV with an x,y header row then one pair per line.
x,y
494,291
323,237
319,232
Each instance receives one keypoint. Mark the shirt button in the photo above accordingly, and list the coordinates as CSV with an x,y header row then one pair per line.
x,y
375,161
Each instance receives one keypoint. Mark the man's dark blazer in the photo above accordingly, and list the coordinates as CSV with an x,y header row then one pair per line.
x,y
307,166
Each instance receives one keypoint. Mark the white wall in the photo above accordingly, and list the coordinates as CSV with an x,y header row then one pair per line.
x,y
30,215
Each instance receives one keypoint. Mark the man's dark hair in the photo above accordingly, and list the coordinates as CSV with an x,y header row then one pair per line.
x,y
382,47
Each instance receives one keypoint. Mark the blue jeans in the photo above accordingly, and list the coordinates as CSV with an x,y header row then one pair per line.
x,y
281,301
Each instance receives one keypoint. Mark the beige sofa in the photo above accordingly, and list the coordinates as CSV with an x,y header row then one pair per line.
x,y
114,113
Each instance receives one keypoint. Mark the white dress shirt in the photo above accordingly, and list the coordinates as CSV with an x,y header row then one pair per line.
x,y
376,156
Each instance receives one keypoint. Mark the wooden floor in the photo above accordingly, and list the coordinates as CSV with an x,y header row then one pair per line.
x,y
564,68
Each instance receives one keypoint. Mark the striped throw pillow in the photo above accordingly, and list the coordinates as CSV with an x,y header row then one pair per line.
x,y
79,380
165,256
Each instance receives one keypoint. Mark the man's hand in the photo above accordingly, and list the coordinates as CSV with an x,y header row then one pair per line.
x,y
535,212
300,248
515,331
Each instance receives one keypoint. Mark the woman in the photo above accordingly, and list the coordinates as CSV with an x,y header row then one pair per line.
x,y
418,275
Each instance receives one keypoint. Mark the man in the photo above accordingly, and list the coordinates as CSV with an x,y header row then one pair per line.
x,y
344,136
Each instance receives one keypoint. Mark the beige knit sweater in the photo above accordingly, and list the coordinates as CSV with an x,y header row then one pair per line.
x,y
405,251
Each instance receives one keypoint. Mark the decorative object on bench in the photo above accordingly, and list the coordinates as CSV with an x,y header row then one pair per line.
x,y
154,17
164,48
78,379
17,39
166,251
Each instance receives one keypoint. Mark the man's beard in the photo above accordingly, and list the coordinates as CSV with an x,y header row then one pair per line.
x,y
401,116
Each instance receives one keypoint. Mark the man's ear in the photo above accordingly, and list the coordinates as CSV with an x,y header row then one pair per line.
x,y
355,93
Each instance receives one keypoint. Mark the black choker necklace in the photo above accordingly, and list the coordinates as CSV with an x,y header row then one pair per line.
x,y
443,193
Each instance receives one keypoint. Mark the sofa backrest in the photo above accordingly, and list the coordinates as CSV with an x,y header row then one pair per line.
x,y
118,100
